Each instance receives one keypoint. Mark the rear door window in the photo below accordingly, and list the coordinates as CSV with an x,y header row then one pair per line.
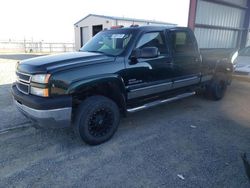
x,y
182,42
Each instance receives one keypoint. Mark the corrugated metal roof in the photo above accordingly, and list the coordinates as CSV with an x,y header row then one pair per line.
x,y
125,19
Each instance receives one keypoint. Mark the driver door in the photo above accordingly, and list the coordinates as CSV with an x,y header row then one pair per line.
x,y
150,75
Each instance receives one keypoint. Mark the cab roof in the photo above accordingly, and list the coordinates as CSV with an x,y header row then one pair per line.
x,y
148,28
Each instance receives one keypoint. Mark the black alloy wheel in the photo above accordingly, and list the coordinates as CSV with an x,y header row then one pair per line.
x,y
100,122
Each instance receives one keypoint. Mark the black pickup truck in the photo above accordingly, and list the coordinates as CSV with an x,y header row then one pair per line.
x,y
119,71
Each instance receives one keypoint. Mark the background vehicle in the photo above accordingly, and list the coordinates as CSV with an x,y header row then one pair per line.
x,y
118,71
243,62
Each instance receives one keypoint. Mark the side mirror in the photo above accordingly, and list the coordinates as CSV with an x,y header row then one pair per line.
x,y
147,52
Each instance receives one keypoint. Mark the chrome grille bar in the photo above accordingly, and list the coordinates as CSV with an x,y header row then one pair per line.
x,y
23,82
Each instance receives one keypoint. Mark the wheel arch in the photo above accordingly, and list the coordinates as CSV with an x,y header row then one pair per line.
x,y
224,70
111,86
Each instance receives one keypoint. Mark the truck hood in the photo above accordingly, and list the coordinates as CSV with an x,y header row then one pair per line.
x,y
59,62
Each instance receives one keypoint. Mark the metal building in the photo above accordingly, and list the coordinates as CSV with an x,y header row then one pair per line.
x,y
220,23
90,25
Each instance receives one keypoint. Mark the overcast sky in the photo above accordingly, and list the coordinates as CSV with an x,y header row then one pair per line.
x,y
52,20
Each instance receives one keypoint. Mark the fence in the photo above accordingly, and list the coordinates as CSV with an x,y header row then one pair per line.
x,y
35,47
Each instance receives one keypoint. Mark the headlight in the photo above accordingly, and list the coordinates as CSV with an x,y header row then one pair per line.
x,y
42,92
40,78
235,55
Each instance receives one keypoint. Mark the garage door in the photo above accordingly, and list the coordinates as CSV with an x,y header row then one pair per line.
x,y
84,35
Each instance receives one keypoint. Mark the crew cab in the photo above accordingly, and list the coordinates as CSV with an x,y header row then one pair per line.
x,y
119,71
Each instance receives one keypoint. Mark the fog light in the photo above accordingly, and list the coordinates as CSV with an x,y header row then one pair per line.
x,y
43,92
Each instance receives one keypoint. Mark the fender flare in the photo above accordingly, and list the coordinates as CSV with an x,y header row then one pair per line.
x,y
107,78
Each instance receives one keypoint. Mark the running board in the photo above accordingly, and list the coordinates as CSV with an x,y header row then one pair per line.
x,y
158,102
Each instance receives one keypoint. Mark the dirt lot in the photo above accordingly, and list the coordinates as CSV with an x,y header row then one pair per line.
x,y
199,139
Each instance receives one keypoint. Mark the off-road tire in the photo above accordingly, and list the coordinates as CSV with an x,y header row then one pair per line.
x,y
216,89
97,119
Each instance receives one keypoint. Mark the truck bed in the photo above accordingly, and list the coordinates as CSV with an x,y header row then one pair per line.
x,y
213,55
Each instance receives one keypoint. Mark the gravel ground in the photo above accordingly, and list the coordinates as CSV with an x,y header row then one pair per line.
x,y
10,117
199,139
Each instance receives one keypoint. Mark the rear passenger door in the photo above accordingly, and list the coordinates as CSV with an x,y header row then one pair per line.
x,y
186,58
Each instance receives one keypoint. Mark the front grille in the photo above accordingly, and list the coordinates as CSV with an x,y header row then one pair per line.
x,y
24,88
23,77
23,82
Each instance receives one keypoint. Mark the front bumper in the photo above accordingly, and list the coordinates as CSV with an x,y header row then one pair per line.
x,y
54,112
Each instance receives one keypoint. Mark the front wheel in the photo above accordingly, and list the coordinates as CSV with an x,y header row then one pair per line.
x,y
97,119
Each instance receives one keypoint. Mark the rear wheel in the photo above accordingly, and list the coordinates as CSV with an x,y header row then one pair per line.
x,y
216,89
96,120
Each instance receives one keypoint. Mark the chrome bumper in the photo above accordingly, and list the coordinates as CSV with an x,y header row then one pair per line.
x,y
60,117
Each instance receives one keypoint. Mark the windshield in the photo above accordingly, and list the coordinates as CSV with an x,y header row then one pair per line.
x,y
245,52
109,43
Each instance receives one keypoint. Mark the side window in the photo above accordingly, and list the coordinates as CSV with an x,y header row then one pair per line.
x,y
182,43
153,39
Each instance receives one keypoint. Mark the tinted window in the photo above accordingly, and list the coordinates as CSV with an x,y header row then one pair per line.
x,y
181,42
153,39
